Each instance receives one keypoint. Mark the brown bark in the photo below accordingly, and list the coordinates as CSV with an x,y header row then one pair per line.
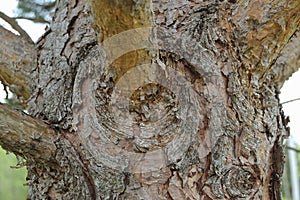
x,y
28,137
163,99
289,60
14,24
17,61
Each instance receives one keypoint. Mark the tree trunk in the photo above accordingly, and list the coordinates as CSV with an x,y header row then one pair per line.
x,y
157,100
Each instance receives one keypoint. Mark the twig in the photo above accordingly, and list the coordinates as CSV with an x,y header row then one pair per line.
x,y
14,24
37,20
293,149
290,101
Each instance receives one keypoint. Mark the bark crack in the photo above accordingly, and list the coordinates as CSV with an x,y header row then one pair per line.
x,y
84,163
276,168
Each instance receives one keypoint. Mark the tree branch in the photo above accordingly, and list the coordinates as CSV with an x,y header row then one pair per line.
x,y
289,60
14,24
17,62
26,136
34,19
290,101
293,149
262,30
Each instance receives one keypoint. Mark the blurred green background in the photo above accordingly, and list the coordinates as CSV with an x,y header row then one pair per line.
x,y
11,179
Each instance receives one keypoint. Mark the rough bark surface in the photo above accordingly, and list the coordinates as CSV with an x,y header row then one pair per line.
x,y
37,147
17,60
163,99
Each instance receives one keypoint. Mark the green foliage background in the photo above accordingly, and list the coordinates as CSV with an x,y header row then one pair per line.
x,y
11,180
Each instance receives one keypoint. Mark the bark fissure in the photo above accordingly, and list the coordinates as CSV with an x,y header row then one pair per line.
x,y
277,159
164,99
85,168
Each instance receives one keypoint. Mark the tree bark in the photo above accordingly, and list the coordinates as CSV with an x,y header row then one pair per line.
x,y
35,147
18,61
160,100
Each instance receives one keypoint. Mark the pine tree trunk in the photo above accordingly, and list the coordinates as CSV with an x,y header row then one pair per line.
x,y
161,100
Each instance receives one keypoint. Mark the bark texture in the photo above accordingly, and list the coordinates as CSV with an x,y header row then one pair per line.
x,y
163,99
37,147
18,61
